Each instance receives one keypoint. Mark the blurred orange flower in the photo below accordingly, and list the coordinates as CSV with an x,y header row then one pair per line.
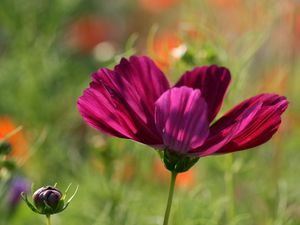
x,y
17,141
164,47
86,32
155,6
183,180
225,3
186,179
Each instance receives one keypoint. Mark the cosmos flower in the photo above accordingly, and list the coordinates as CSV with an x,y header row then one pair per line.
x,y
135,101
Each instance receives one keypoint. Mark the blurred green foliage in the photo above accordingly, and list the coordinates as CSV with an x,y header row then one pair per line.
x,y
42,75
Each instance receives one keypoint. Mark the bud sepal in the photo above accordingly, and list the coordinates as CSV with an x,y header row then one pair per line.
x,y
177,163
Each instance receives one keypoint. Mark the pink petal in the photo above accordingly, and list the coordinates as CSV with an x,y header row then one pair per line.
x,y
99,110
220,137
120,102
181,119
213,81
261,128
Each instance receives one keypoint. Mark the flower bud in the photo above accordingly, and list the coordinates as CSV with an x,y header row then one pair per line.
x,y
48,200
47,197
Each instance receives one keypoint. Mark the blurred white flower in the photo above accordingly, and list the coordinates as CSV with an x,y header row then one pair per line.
x,y
104,51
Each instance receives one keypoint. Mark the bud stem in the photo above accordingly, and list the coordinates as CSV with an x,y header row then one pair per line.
x,y
170,198
48,219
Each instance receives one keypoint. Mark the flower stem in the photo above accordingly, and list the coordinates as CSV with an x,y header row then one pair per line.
x,y
48,219
170,198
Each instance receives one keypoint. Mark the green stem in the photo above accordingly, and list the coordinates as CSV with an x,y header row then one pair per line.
x,y
170,198
48,219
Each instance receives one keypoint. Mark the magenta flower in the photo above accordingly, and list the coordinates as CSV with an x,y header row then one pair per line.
x,y
135,101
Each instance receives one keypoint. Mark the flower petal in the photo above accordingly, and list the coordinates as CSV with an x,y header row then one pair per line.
x,y
120,102
181,119
219,137
213,81
99,110
261,127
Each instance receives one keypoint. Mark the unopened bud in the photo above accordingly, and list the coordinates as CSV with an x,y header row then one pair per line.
x,y
47,198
